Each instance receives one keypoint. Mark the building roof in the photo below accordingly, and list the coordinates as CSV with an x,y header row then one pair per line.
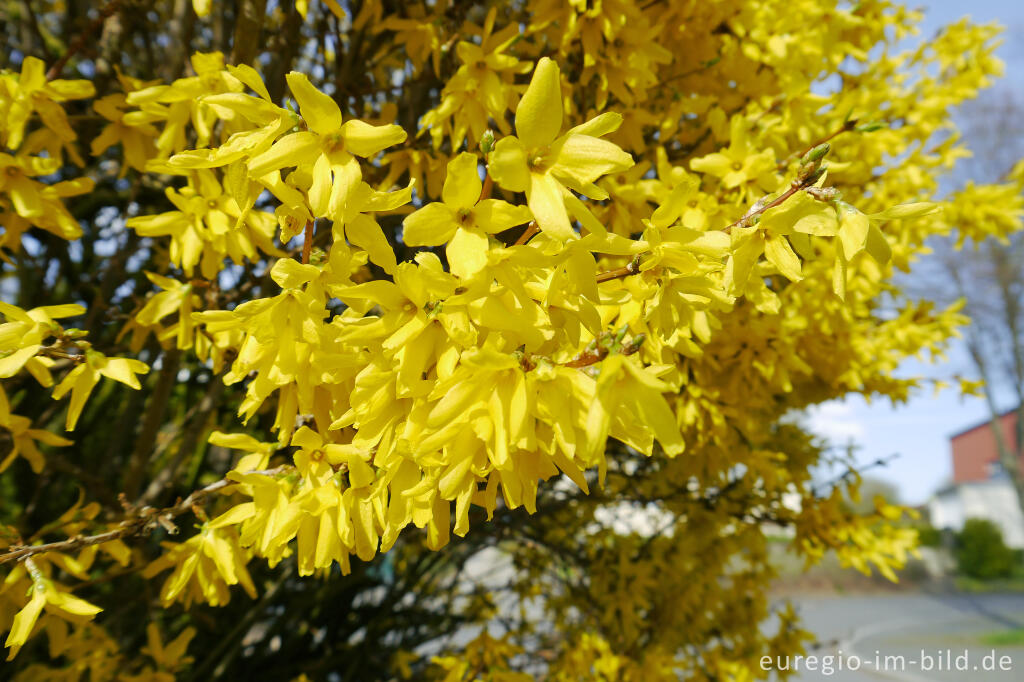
x,y
983,424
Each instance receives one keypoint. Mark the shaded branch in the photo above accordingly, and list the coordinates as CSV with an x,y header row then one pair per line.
x,y
146,521
84,36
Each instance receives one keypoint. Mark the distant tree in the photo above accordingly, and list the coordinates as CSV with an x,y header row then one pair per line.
x,y
981,552
989,276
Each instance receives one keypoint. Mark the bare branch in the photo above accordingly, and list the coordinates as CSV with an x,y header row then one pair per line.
x,y
146,520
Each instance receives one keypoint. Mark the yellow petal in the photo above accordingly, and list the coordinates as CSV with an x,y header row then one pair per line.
x,y
432,225
467,253
124,370
291,274
307,438
320,191
545,200
853,232
598,126
347,176
363,139
25,619
585,159
291,150
877,245
250,77
80,381
320,112
507,165
913,210
747,247
495,215
462,186
780,254
72,604
539,115
12,364
359,472
365,233
716,164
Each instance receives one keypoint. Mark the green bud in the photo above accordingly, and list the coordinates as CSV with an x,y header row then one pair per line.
x,y
813,176
317,256
635,344
871,126
487,142
816,154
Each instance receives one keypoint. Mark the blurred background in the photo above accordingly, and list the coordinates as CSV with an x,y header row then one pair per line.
x,y
949,456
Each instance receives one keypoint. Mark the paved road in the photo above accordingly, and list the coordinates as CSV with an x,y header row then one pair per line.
x,y
912,637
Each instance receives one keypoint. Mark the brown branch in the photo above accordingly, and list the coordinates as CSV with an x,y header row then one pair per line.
x,y
529,233
485,193
631,268
846,127
156,409
748,217
147,520
189,440
84,36
248,25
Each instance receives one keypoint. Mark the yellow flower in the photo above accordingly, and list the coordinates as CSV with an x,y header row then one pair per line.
x,y
45,595
329,147
33,93
39,204
740,162
543,165
81,380
208,226
176,297
23,438
205,566
461,219
172,655
481,90
132,130
23,334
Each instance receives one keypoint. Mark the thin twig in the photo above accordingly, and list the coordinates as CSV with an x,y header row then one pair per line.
x,y
147,520
631,268
485,193
84,36
847,126
748,217
529,233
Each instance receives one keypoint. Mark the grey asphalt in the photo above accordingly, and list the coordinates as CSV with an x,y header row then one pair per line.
x,y
914,637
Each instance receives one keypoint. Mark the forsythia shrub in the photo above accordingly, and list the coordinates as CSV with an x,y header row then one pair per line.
x,y
296,291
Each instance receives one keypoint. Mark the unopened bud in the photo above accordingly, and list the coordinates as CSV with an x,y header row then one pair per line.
x,y
634,344
815,154
809,175
824,193
871,126
487,142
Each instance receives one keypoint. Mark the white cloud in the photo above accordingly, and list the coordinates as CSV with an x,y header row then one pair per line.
x,y
835,421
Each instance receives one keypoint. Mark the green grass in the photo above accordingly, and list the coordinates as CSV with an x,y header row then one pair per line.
x,y
1013,637
1012,584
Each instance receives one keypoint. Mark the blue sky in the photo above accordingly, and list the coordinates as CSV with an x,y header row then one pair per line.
x,y
919,430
